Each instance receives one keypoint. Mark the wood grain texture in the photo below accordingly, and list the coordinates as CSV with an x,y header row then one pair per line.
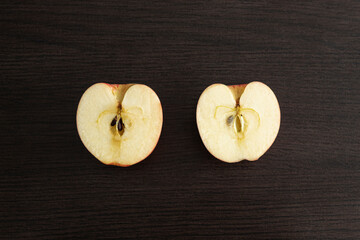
x,y
307,186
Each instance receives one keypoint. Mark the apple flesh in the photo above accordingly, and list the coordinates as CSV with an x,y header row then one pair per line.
x,y
120,124
238,122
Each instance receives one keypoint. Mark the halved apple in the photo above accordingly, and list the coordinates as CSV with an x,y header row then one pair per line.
x,y
120,124
238,122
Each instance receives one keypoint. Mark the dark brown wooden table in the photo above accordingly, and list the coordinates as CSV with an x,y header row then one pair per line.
x,y
307,186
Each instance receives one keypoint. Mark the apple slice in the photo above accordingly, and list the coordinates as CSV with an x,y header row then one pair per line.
x,y
238,122
119,124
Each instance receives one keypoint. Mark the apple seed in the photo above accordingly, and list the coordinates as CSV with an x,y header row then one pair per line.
x,y
239,123
229,119
113,122
120,125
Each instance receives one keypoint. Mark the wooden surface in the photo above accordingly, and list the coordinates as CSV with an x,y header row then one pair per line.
x,y
307,186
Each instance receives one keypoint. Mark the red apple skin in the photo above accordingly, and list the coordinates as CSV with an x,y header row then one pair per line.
x,y
117,164
112,85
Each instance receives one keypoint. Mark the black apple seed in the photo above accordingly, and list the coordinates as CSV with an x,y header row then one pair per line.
x,y
113,122
120,125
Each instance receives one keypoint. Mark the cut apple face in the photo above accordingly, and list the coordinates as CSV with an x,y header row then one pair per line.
x,y
119,124
238,122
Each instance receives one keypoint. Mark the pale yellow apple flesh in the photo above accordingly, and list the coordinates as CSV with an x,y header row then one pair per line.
x,y
238,122
119,124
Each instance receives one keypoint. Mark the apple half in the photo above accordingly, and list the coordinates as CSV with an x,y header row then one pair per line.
x,y
120,124
238,122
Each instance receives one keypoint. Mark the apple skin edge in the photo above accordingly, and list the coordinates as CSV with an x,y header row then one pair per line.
x,y
114,87
233,162
117,164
